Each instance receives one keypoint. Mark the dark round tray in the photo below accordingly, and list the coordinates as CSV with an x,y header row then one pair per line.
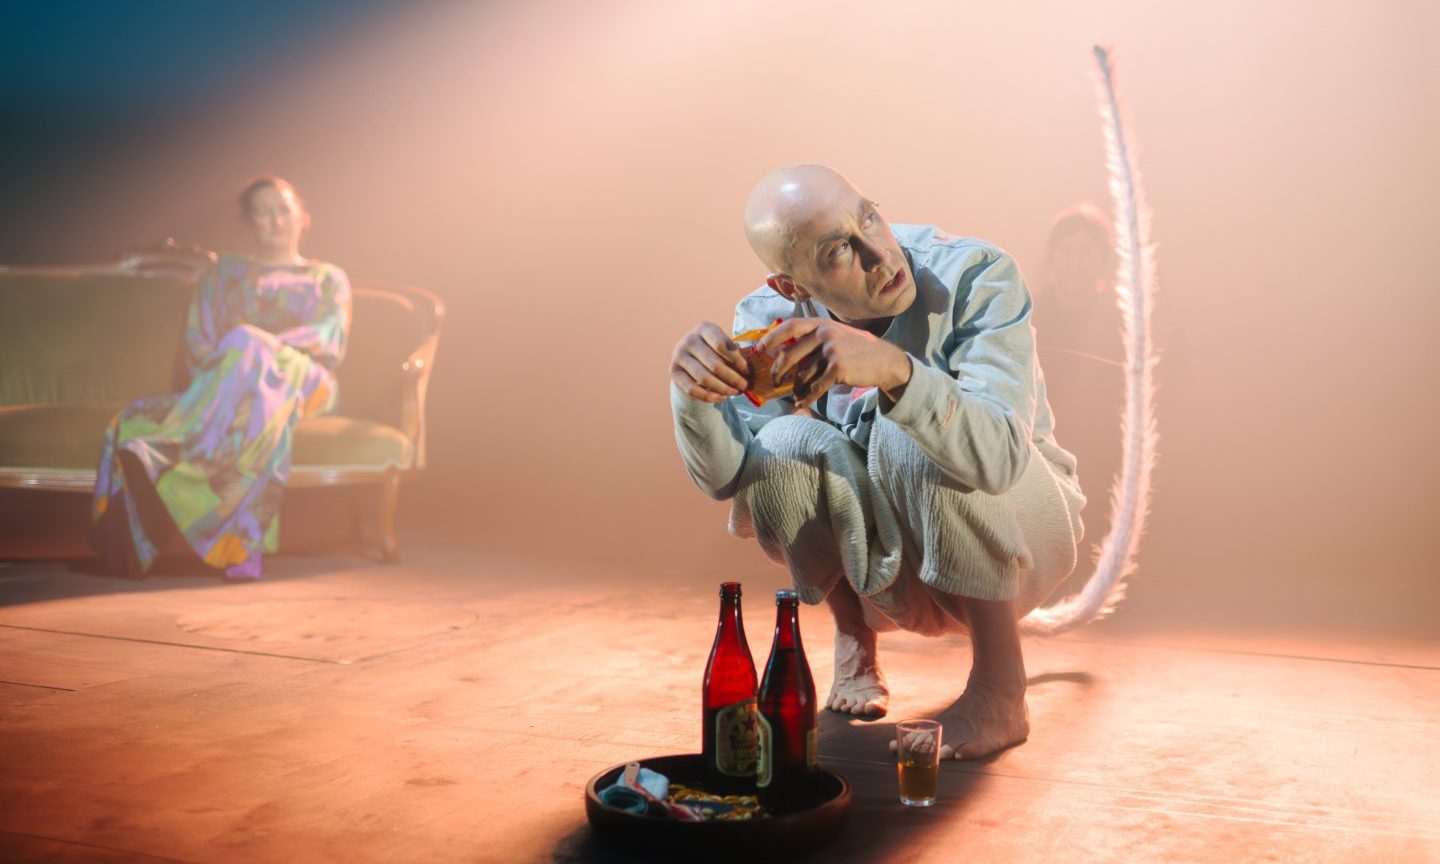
x,y
795,831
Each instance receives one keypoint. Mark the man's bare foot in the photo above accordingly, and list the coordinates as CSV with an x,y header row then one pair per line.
x,y
984,720
859,686
990,715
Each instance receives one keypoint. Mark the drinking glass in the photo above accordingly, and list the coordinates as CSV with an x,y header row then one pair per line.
x,y
917,750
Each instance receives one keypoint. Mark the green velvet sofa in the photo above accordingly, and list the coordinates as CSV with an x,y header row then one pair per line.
x,y
77,344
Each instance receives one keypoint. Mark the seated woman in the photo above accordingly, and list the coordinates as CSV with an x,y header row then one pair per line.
x,y
264,337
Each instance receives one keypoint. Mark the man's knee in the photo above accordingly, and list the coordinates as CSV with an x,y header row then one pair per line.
x,y
796,438
786,464
791,449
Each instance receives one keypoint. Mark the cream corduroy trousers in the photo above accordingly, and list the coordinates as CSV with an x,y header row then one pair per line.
x,y
910,540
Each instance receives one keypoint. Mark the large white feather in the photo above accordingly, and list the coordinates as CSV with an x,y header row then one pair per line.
x,y
1135,294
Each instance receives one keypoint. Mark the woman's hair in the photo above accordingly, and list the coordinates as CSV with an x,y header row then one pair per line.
x,y
248,193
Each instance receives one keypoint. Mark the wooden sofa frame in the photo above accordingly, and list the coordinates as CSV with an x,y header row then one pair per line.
x,y
416,368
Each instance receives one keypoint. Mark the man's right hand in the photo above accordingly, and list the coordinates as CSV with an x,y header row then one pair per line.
x,y
708,366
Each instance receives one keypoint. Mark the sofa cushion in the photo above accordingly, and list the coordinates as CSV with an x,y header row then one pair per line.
x,y
347,442
70,437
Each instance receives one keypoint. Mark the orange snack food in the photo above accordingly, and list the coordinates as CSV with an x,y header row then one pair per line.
x,y
762,385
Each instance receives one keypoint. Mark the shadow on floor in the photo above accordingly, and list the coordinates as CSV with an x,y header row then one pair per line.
x,y
24,582
878,827
1084,679
44,555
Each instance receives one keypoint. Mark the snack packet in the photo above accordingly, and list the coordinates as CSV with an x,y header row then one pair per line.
x,y
762,385
723,808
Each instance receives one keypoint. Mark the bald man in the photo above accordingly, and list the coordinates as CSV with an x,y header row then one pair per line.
x,y
912,480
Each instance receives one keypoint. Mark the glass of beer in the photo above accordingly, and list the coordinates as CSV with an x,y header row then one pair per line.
x,y
917,748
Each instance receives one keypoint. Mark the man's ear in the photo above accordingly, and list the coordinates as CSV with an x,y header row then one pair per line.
x,y
788,287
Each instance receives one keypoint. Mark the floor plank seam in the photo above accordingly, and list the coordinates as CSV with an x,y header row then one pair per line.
x,y
85,845
40,686
178,645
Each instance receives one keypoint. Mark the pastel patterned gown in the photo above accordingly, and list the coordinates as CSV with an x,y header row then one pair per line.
x,y
263,342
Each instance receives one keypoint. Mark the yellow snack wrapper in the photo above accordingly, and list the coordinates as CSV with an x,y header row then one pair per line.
x,y
762,385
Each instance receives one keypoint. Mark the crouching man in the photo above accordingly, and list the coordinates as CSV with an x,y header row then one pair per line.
x,y
912,480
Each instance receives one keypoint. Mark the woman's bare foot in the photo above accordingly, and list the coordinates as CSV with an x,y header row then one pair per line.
x,y
859,686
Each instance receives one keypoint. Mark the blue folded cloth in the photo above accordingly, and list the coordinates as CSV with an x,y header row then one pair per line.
x,y
623,796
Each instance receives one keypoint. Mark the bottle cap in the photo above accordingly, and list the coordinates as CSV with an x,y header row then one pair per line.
x,y
785,594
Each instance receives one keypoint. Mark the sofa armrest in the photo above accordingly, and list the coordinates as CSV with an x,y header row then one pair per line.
x,y
412,407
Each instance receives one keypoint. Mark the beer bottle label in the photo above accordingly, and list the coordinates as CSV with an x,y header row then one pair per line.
x,y
735,746
766,751
812,748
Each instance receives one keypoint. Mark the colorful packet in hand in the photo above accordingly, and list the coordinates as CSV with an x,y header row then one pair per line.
x,y
762,385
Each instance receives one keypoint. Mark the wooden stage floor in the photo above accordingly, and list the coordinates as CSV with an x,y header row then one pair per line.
x,y
452,710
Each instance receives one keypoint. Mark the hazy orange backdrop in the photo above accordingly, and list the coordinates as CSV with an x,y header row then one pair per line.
x,y
569,176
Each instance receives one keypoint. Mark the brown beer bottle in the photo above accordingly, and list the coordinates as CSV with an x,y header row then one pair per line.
x,y
728,740
787,776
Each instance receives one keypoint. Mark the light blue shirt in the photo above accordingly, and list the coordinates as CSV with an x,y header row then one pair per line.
x,y
975,404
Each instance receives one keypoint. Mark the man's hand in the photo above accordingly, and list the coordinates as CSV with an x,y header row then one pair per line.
x,y
708,366
827,353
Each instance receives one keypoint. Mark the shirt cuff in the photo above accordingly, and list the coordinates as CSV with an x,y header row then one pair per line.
x,y
930,397
693,413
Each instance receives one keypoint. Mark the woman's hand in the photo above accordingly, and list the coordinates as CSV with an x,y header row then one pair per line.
x,y
708,366
827,353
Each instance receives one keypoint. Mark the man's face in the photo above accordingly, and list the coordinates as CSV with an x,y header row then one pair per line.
x,y
844,254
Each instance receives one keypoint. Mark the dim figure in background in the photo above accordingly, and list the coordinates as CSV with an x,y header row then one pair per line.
x,y
912,480
1078,330
264,335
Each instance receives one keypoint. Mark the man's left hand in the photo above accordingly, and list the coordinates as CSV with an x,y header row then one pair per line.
x,y
827,353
